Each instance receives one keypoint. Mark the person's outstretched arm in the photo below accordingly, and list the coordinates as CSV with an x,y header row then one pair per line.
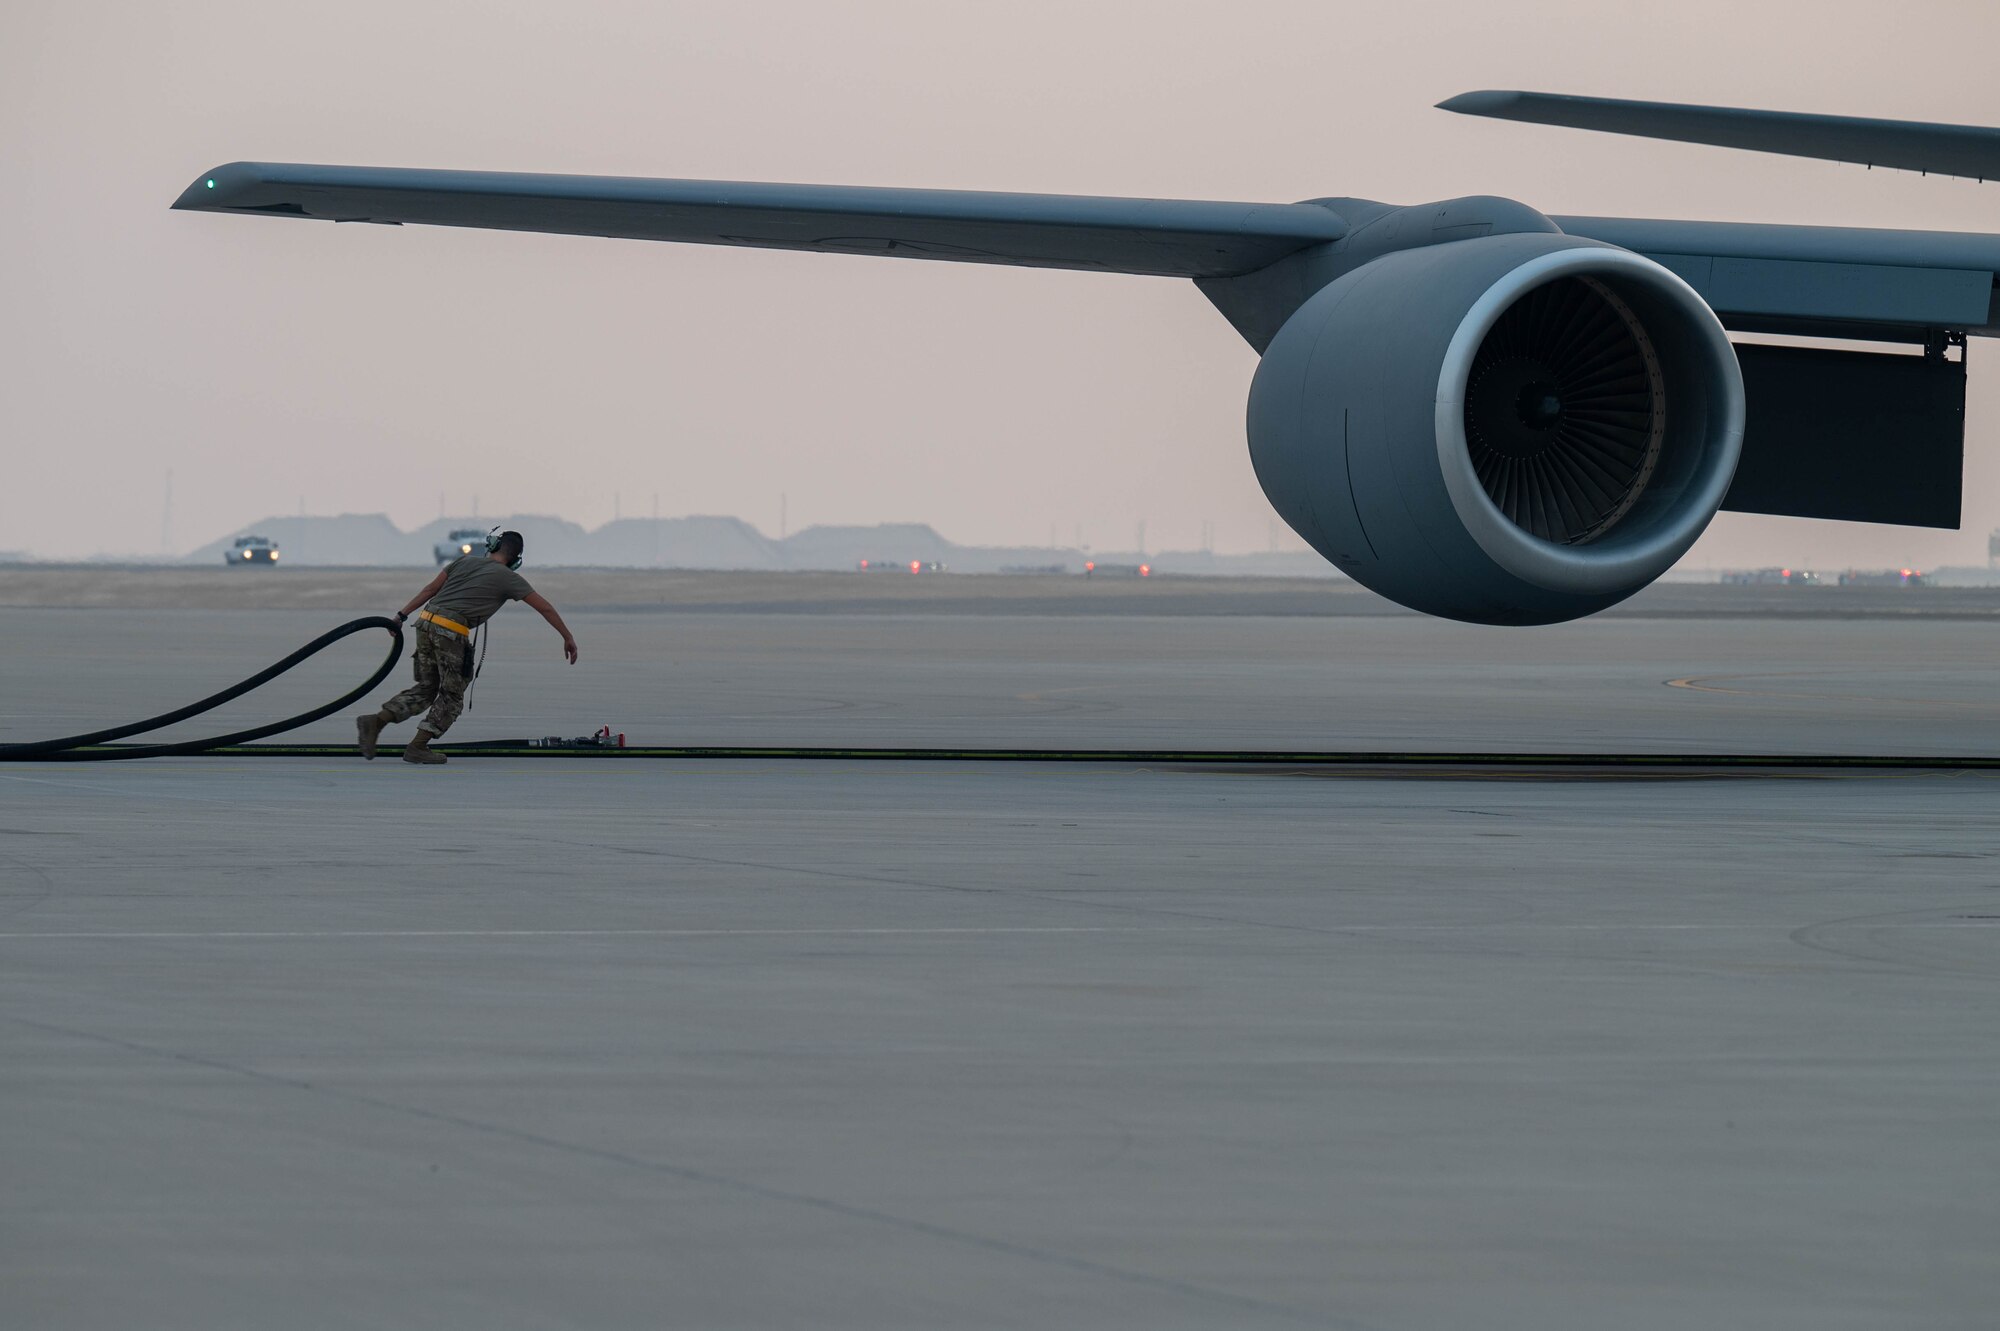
x,y
430,590
540,604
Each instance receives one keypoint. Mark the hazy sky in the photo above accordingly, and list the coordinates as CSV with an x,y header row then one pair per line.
x,y
372,368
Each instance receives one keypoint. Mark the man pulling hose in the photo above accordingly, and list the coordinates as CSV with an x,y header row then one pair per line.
x,y
464,595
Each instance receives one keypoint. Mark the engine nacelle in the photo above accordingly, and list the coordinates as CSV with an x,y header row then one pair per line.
x,y
1515,429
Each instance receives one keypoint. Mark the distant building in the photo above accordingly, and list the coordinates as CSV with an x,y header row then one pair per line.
x,y
1888,577
1770,577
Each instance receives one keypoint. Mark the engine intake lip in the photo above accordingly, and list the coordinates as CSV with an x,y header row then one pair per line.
x,y
1704,405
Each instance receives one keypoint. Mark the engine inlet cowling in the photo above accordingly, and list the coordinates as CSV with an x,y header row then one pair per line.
x,y
1513,429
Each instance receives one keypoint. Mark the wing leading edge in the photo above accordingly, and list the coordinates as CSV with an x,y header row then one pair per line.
x,y
1161,237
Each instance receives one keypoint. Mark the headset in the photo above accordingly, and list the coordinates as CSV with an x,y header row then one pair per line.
x,y
493,548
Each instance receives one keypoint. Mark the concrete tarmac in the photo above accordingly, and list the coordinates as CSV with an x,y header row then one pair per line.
x,y
568,1044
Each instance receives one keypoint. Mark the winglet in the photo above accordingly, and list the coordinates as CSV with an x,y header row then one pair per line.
x,y
1485,102
208,192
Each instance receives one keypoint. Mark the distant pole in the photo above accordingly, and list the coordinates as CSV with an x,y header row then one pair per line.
x,y
167,516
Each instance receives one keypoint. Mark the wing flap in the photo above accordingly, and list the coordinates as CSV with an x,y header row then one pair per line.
x,y
1852,436
1163,237
1812,274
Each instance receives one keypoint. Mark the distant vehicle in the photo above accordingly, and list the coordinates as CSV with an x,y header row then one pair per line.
x,y
1772,577
1093,569
459,544
251,550
1888,577
899,566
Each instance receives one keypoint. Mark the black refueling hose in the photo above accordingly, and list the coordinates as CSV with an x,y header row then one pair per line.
x,y
96,747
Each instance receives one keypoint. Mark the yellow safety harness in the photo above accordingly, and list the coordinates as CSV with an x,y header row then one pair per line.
x,y
448,625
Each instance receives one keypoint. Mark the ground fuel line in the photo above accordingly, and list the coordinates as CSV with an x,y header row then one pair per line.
x,y
97,746
100,745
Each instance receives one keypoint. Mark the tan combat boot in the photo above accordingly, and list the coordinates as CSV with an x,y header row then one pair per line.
x,y
368,729
420,750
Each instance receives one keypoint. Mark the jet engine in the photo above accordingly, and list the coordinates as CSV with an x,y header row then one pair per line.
x,y
1513,429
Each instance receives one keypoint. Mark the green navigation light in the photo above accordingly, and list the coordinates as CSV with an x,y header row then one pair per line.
x,y
211,184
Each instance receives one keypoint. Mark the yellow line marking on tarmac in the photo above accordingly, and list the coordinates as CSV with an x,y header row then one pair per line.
x,y
1043,695
254,934
1707,684
629,933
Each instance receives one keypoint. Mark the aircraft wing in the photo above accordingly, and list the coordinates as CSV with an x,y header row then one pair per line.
x,y
1768,278
1163,237
1909,145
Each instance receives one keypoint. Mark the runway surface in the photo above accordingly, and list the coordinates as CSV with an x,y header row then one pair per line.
x,y
561,1043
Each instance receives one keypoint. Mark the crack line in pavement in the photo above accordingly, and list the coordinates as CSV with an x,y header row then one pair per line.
x,y
830,1205
884,880
226,934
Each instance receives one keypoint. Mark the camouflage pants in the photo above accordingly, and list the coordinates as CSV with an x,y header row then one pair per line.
x,y
440,686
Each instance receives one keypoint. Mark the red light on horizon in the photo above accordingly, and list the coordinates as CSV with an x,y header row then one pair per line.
x,y
1090,566
1145,570
916,566
864,563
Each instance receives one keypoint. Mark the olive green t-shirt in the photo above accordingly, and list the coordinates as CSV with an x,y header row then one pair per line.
x,y
474,587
